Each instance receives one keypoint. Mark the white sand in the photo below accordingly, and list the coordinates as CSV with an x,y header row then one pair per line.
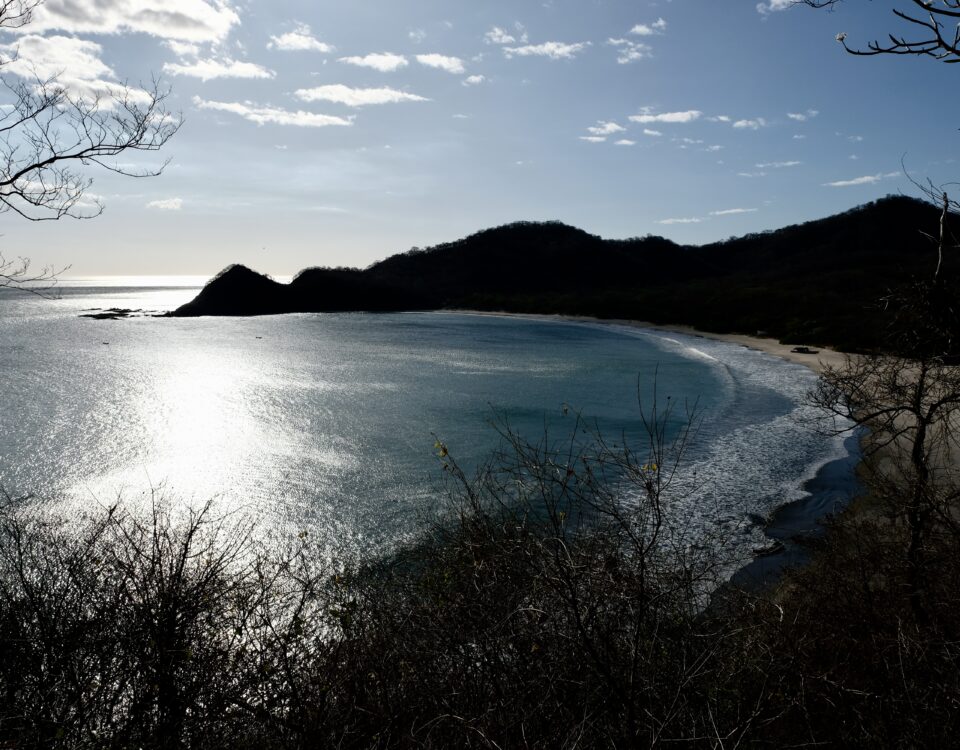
x,y
815,362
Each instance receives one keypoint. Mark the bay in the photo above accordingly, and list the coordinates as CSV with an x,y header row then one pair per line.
x,y
328,423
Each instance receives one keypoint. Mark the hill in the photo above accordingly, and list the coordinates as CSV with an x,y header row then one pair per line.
x,y
819,282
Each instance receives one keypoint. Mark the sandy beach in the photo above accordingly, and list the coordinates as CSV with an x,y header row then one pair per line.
x,y
816,362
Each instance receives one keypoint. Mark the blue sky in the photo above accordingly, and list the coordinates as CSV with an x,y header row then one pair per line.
x,y
337,133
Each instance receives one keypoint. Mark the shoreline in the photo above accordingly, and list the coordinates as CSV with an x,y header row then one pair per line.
x,y
832,489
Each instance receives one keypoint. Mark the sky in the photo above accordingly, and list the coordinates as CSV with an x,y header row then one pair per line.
x,y
341,132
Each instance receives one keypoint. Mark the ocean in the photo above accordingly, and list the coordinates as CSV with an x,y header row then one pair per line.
x,y
328,423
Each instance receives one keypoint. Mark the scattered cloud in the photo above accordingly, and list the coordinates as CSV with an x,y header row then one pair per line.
x,y
643,29
340,94
593,138
771,6
646,117
855,138
625,142
473,80
442,62
301,39
167,204
605,128
719,118
803,116
553,50
496,35
799,137
751,174
273,115
778,164
870,179
209,69
628,51
655,133
714,147
690,220
417,36
385,62
733,211
755,124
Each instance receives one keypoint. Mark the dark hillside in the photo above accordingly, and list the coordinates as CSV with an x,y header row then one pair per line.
x,y
819,282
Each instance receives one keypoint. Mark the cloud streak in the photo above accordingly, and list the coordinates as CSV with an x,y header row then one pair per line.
x,y
385,62
552,50
273,115
355,97
646,118
442,62
870,179
209,69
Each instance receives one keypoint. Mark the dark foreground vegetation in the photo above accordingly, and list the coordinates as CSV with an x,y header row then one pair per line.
x,y
554,606
816,283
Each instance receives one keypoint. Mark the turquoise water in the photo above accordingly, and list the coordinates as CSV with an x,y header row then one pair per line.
x,y
328,422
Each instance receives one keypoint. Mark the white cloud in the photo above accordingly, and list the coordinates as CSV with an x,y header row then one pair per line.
x,y
720,118
605,128
625,142
341,94
778,164
301,39
385,62
75,63
870,179
473,80
628,51
442,62
733,211
417,36
186,20
553,50
209,69
167,204
691,220
855,138
183,49
799,137
774,5
755,124
714,148
496,35
655,133
803,116
667,117
593,138
751,174
643,29
273,115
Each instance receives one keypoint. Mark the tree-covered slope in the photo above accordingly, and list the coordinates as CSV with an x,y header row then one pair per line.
x,y
820,281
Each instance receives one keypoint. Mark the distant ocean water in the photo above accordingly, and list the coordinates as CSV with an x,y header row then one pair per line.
x,y
328,422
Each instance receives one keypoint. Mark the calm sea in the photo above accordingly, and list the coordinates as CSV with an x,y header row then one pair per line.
x,y
328,422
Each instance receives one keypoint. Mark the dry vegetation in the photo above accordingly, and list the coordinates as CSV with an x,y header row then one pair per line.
x,y
545,612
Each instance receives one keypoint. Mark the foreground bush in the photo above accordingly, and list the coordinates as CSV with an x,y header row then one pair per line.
x,y
554,605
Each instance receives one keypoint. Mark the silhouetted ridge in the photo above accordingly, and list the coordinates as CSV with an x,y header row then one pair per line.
x,y
818,281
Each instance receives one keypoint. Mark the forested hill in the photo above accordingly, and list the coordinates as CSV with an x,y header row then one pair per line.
x,y
818,282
